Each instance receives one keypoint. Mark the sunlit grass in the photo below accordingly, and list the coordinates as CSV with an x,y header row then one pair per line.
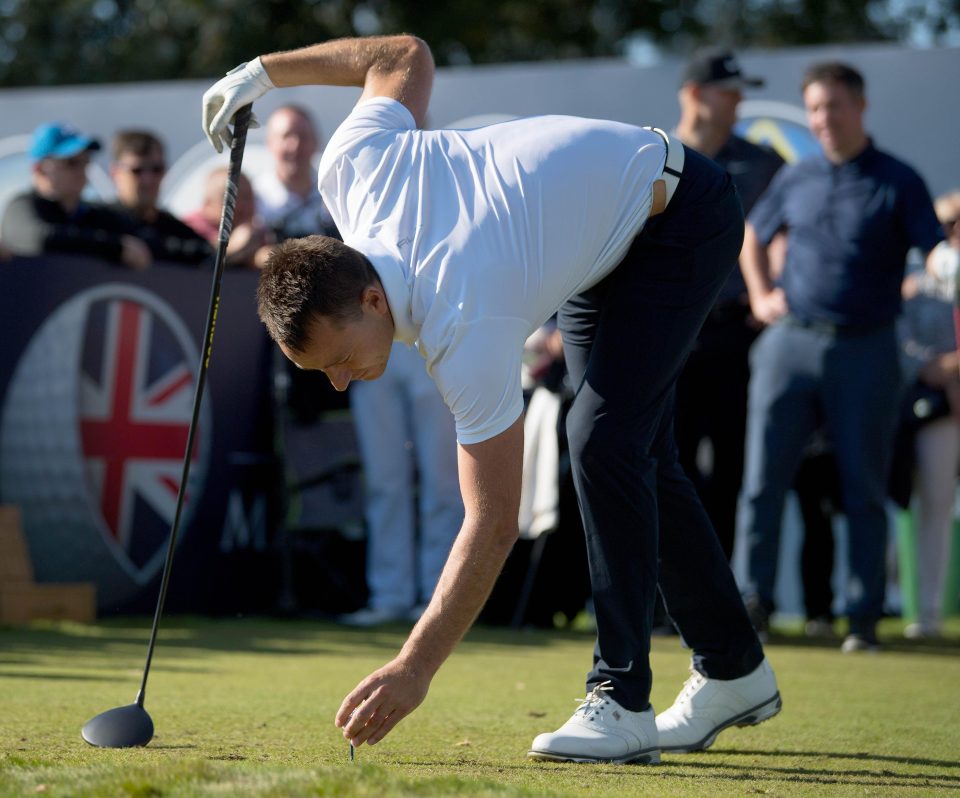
x,y
245,707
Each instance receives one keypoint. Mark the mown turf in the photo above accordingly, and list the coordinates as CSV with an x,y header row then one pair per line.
x,y
244,707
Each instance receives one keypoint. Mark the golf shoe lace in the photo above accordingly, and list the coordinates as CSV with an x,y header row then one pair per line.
x,y
594,701
691,686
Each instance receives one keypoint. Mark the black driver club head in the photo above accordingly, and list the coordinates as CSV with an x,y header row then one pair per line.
x,y
122,727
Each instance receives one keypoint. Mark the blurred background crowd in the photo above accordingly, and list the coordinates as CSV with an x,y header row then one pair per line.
x,y
823,393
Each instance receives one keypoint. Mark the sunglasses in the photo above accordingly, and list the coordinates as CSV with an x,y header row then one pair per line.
x,y
76,162
144,169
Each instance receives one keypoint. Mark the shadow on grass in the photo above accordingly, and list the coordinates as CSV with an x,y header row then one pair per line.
x,y
128,637
944,647
860,756
869,777
700,770
67,677
124,640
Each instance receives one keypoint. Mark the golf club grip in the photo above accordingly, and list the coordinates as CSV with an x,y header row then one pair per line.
x,y
241,121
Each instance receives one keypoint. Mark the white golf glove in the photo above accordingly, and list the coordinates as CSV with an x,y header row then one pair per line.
x,y
241,86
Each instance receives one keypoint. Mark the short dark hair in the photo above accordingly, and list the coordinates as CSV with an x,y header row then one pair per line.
x,y
309,277
138,142
834,72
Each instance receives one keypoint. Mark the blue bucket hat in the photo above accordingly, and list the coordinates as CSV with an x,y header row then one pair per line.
x,y
57,140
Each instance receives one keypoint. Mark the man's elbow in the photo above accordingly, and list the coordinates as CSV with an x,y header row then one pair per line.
x,y
417,51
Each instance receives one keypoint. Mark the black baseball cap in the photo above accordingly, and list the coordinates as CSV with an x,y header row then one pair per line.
x,y
717,67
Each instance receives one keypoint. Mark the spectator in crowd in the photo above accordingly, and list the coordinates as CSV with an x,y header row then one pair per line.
x,y
712,389
932,364
288,199
54,218
830,352
139,164
251,241
413,509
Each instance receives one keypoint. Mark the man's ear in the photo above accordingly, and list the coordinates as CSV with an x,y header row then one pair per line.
x,y
374,298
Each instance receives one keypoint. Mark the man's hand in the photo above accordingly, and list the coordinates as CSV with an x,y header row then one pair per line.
x,y
240,87
135,253
769,306
381,701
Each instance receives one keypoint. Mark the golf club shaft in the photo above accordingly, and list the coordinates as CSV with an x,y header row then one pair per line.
x,y
240,122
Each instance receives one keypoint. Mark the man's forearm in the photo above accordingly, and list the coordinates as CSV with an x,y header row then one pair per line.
x,y
397,67
341,62
400,67
475,561
755,265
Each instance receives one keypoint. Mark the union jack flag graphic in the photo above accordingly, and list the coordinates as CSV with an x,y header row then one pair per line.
x,y
135,400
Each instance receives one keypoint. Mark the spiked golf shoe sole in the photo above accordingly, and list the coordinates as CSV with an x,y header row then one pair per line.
x,y
751,717
650,756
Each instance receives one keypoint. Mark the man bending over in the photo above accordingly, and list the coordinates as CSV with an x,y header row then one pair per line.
x,y
462,242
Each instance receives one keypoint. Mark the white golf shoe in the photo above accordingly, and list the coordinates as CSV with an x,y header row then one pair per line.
x,y
601,731
705,707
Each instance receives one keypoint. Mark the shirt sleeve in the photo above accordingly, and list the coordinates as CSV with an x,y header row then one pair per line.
x,y
768,215
479,377
368,118
923,227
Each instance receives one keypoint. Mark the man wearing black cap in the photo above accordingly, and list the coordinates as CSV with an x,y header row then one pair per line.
x,y
712,390
53,217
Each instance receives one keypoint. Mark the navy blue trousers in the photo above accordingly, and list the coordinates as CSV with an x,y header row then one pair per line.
x,y
802,379
625,341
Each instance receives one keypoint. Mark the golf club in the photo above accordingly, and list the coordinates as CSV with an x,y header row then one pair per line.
x,y
131,725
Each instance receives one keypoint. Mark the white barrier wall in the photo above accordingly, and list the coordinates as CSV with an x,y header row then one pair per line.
x,y
912,112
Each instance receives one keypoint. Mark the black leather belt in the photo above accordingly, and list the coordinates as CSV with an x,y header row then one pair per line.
x,y
836,330
673,165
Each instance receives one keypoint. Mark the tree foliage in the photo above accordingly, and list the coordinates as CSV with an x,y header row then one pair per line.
x,y
46,42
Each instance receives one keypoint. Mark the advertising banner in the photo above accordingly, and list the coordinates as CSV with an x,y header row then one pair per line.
x,y
98,369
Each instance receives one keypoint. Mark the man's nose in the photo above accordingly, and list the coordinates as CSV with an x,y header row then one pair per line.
x,y
339,378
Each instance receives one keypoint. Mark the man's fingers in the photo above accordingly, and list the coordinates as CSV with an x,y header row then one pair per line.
x,y
386,727
365,721
218,127
349,705
210,106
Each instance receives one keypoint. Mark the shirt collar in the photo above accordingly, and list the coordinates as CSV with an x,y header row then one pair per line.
x,y
860,159
398,286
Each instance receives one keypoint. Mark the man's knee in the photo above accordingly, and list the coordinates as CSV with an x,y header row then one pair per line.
x,y
600,439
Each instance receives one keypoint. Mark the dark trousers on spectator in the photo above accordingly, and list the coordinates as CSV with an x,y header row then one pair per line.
x,y
817,488
712,406
625,341
800,375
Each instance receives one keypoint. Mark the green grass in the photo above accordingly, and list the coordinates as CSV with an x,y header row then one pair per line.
x,y
245,707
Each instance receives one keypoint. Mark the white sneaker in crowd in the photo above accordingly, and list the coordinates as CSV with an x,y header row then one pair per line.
x,y
375,616
601,731
860,644
705,707
923,630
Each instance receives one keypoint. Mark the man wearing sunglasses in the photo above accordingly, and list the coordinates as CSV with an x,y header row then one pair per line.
x,y
137,171
54,217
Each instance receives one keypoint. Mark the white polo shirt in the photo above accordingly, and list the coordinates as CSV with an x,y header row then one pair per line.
x,y
479,236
